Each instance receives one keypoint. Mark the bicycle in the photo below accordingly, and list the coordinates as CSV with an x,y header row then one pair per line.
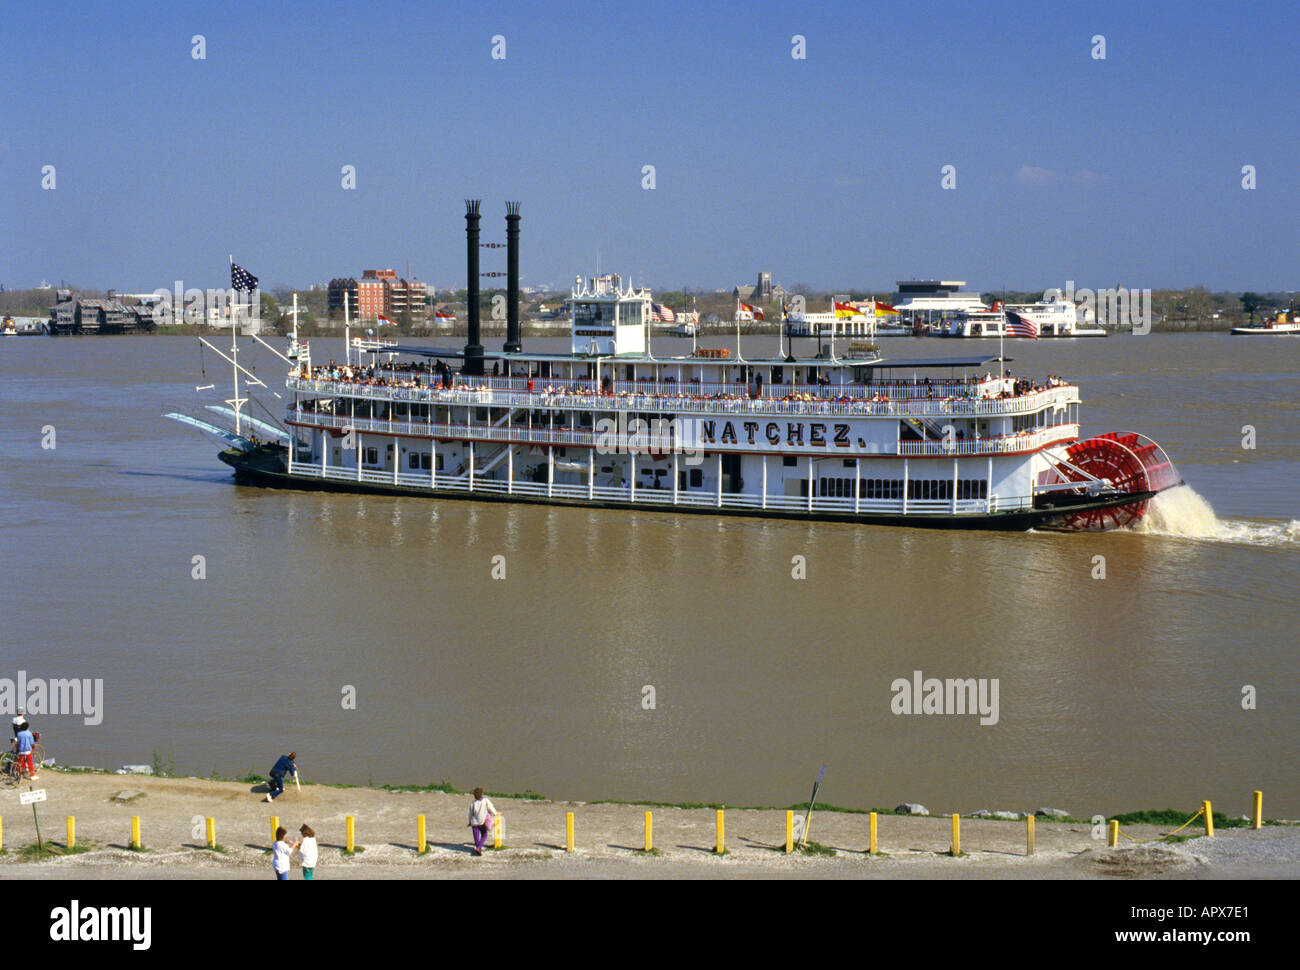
x,y
11,769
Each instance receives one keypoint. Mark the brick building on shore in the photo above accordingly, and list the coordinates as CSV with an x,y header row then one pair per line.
x,y
379,292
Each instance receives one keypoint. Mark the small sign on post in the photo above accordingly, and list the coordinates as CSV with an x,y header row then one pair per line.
x,y
31,797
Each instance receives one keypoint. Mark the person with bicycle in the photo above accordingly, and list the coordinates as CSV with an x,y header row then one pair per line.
x,y
24,743
286,764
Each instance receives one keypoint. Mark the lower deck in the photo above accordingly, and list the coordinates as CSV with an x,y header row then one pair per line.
x,y
950,485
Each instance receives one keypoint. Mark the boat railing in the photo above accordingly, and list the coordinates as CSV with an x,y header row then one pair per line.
x,y
997,445
895,389
640,493
556,396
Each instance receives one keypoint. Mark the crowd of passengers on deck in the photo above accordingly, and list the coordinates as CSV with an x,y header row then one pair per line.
x,y
440,375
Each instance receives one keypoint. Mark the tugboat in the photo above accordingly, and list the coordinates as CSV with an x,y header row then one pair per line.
x,y
950,443
1278,326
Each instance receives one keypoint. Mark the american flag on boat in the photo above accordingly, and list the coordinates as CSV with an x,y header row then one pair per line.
x,y
1020,326
241,279
661,314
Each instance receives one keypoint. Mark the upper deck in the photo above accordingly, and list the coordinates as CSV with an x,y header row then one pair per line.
x,y
877,398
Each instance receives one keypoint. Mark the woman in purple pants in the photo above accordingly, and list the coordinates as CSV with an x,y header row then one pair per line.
x,y
481,815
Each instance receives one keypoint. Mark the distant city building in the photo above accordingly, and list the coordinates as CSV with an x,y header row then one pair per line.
x,y
763,291
73,315
379,292
744,292
931,297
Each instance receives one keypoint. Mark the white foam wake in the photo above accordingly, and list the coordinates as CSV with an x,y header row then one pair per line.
x,y
1183,514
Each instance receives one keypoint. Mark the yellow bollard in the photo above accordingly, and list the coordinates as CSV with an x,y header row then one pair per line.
x,y
72,831
498,831
135,831
721,846
212,832
871,836
649,833
568,831
421,842
1259,809
1112,836
956,834
1209,819
275,824
352,833
1029,835
789,831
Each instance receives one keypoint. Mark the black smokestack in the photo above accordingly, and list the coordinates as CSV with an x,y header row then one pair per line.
x,y
473,346
513,342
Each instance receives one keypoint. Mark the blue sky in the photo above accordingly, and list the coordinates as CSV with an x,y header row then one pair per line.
x,y
824,171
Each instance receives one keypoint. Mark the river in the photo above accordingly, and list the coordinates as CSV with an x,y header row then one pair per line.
x,y
1114,693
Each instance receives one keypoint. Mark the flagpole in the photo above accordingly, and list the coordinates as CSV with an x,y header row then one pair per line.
x,y
236,403
1002,336
737,328
648,330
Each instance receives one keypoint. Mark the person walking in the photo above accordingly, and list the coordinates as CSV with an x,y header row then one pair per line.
x,y
280,853
482,814
287,764
308,851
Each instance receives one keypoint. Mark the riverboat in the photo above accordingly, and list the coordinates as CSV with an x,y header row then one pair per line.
x,y
845,435
1053,316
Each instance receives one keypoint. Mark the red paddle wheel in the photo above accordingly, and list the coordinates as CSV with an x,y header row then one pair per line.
x,y
1125,462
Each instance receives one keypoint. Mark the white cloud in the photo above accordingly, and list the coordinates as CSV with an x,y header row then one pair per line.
x,y
1032,175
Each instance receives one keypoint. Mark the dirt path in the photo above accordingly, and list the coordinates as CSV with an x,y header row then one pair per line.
x,y
606,839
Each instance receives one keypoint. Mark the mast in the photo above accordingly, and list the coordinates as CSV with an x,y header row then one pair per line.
x,y
738,356
236,402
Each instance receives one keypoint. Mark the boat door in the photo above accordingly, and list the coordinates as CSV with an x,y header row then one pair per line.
x,y
731,480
